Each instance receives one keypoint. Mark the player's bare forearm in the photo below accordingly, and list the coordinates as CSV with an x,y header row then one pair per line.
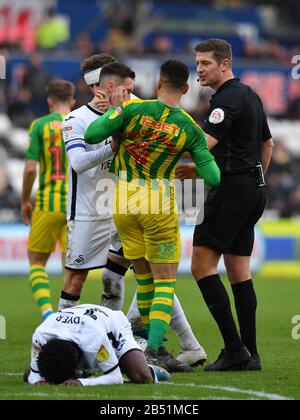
x,y
267,152
28,181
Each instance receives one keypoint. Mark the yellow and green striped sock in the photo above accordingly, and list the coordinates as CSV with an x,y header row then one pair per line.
x,y
39,283
145,295
161,311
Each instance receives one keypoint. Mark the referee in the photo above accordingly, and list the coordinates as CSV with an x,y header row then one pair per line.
x,y
238,134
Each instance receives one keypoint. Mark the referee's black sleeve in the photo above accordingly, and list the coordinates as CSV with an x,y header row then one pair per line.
x,y
223,112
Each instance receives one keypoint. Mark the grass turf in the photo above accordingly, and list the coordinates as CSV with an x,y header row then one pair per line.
x,y
278,303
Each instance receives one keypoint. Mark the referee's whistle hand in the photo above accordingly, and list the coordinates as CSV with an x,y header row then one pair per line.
x,y
185,171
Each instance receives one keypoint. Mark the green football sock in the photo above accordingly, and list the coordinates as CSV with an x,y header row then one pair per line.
x,y
145,295
40,286
161,311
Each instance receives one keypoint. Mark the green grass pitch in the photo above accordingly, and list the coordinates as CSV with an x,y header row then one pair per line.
x,y
278,304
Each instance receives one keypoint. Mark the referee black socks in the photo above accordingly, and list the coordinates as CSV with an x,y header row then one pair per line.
x,y
217,300
246,304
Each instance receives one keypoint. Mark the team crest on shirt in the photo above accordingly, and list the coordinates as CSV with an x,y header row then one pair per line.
x,y
103,354
118,111
217,116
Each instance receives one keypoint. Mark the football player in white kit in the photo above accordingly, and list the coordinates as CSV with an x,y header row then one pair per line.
x,y
88,231
88,338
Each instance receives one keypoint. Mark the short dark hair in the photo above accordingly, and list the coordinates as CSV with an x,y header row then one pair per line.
x,y
96,61
220,48
117,69
58,361
61,90
175,73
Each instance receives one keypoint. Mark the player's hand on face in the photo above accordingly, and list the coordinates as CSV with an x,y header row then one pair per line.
x,y
26,212
119,96
186,171
72,382
101,101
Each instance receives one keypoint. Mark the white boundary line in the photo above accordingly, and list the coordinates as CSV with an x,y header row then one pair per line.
x,y
11,373
252,393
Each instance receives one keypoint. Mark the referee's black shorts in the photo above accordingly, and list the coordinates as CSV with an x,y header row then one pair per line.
x,y
231,212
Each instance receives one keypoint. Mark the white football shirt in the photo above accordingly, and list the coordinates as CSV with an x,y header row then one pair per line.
x,y
83,188
95,329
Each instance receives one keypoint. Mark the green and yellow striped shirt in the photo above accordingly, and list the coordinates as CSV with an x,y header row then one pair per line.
x,y
153,138
48,148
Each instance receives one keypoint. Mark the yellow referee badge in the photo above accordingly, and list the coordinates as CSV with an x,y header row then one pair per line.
x,y
103,354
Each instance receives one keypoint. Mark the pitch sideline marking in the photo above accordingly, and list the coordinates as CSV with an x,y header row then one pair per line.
x,y
250,392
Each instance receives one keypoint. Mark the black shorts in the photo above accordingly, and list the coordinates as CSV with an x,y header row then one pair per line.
x,y
231,212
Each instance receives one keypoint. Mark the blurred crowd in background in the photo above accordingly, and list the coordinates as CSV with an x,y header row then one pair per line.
x,y
44,40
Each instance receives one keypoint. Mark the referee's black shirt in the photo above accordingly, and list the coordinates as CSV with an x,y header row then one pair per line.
x,y
237,120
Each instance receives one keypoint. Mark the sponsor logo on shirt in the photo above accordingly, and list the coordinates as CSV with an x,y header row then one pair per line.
x,y
161,126
56,125
217,116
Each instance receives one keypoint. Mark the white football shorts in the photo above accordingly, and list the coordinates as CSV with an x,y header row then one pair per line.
x,y
88,244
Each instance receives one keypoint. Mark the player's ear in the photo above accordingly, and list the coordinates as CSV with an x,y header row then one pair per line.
x,y
50,102
226,64
186,89
111,86
72,103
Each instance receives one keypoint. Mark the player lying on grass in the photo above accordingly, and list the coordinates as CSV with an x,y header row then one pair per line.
x,y
88,338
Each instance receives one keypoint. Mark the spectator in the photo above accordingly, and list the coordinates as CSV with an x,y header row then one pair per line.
x,y
52,31
8,199
281,181
84,45
36,80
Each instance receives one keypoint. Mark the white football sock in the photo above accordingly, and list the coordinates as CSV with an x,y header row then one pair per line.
x,y
182,328
65,304
113,290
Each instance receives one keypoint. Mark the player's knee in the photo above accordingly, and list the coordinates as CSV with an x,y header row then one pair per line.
x,y
237,272
198,271
141,377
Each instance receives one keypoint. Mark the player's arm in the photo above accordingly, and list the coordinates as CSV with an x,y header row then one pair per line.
x,y
32,375
105,126
204,164
80,159
206,167
267,152
30,171
267,144
109,365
